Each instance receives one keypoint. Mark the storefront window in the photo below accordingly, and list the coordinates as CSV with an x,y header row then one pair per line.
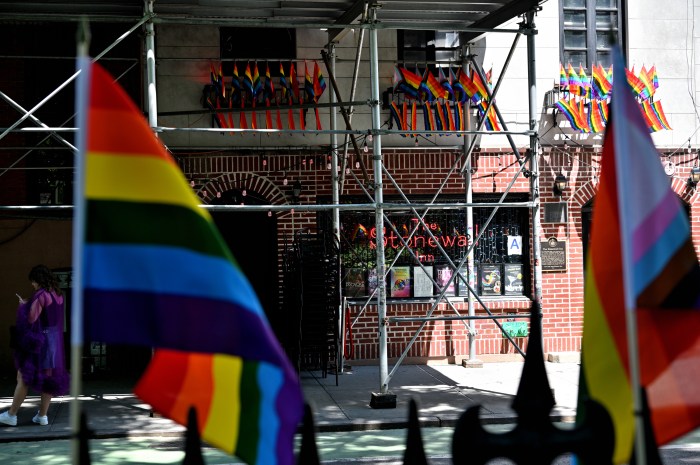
x,y
501,256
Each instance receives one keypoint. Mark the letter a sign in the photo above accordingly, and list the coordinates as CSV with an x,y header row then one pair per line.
x,y
515,245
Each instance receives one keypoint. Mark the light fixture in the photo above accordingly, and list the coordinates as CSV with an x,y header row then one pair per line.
x,y
365,148
560,183
296,190
694,177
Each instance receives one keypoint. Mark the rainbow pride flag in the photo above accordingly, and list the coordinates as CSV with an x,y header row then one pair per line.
x,y
641,264
158,274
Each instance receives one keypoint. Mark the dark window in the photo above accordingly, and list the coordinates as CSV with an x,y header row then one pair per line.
x,y
420,47
256,43
588,28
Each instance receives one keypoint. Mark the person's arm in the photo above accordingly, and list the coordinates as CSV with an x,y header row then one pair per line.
x,y
36,308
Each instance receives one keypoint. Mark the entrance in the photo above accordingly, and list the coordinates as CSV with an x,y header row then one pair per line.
x,y
252,239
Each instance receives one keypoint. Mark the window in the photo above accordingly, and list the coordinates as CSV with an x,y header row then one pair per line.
x,y
501,257
256,43
421,47
587,30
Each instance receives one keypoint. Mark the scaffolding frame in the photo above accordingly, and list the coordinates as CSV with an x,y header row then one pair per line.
x,y
375,202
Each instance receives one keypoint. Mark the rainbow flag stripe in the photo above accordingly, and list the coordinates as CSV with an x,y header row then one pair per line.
x,y
641,263
157,273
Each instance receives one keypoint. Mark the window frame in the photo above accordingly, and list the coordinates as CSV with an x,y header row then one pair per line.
x,y
591,48
430,50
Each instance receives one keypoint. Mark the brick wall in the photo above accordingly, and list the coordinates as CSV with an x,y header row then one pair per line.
x,y
424,172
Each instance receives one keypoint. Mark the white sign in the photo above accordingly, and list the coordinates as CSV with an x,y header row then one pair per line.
x,y
515,245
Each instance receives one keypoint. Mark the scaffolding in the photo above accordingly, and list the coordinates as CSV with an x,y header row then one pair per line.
x,y
365,16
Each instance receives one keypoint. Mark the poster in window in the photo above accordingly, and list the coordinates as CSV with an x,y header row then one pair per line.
x,y
513,275
491,279
355,284
400,281
462,280
442,277
422,282
371,280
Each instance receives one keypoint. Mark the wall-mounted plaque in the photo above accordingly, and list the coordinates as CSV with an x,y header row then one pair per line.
x,y
513,279
555,212
490,279
355,283
422,282
400,281
553,253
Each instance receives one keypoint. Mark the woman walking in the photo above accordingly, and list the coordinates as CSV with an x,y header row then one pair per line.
x,y
39,350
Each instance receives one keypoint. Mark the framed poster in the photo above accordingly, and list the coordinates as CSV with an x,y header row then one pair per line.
x,y
355,283
371,280
513,277
443,273
400,281
490,279
422,282
462,280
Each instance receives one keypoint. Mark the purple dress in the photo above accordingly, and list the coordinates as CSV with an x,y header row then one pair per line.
x,y
40,355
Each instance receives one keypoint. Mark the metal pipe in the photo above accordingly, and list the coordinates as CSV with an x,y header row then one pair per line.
x,y
534,159
310,207
151,66
382,322
353,87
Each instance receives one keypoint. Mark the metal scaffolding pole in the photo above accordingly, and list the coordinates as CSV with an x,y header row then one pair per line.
x,y
335,188
383,398
534,160
151,66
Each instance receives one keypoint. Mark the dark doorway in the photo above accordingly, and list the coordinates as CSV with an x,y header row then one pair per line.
x,y
252,238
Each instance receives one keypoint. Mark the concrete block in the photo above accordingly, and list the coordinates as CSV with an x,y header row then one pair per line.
x,y
564,357
382,401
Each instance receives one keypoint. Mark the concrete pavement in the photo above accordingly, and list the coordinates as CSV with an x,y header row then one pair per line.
x,y
443,393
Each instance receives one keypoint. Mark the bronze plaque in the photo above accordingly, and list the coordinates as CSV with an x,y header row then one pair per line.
x,y
553,254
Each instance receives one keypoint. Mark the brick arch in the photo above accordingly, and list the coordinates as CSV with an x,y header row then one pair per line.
x,y
679,185
252,181
585,193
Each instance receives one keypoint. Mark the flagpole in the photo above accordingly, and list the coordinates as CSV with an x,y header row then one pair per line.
x,y
81,97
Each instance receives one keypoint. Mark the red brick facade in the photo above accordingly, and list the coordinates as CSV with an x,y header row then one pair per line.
x,y
423,172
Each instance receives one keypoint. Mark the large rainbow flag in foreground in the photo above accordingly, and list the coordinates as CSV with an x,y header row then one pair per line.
x,y
642,265
157,273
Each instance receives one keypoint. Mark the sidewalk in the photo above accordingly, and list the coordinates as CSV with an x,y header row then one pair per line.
x,y
442,392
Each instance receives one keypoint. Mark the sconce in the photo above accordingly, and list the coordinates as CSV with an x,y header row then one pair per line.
x,y
560,183
296,190
694,177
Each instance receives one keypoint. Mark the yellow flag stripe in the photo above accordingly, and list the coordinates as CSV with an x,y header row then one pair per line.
x,y
222,427
138,179
605,373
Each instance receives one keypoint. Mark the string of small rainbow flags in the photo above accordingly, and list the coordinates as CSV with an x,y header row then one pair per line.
x,y
252,92
585,98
